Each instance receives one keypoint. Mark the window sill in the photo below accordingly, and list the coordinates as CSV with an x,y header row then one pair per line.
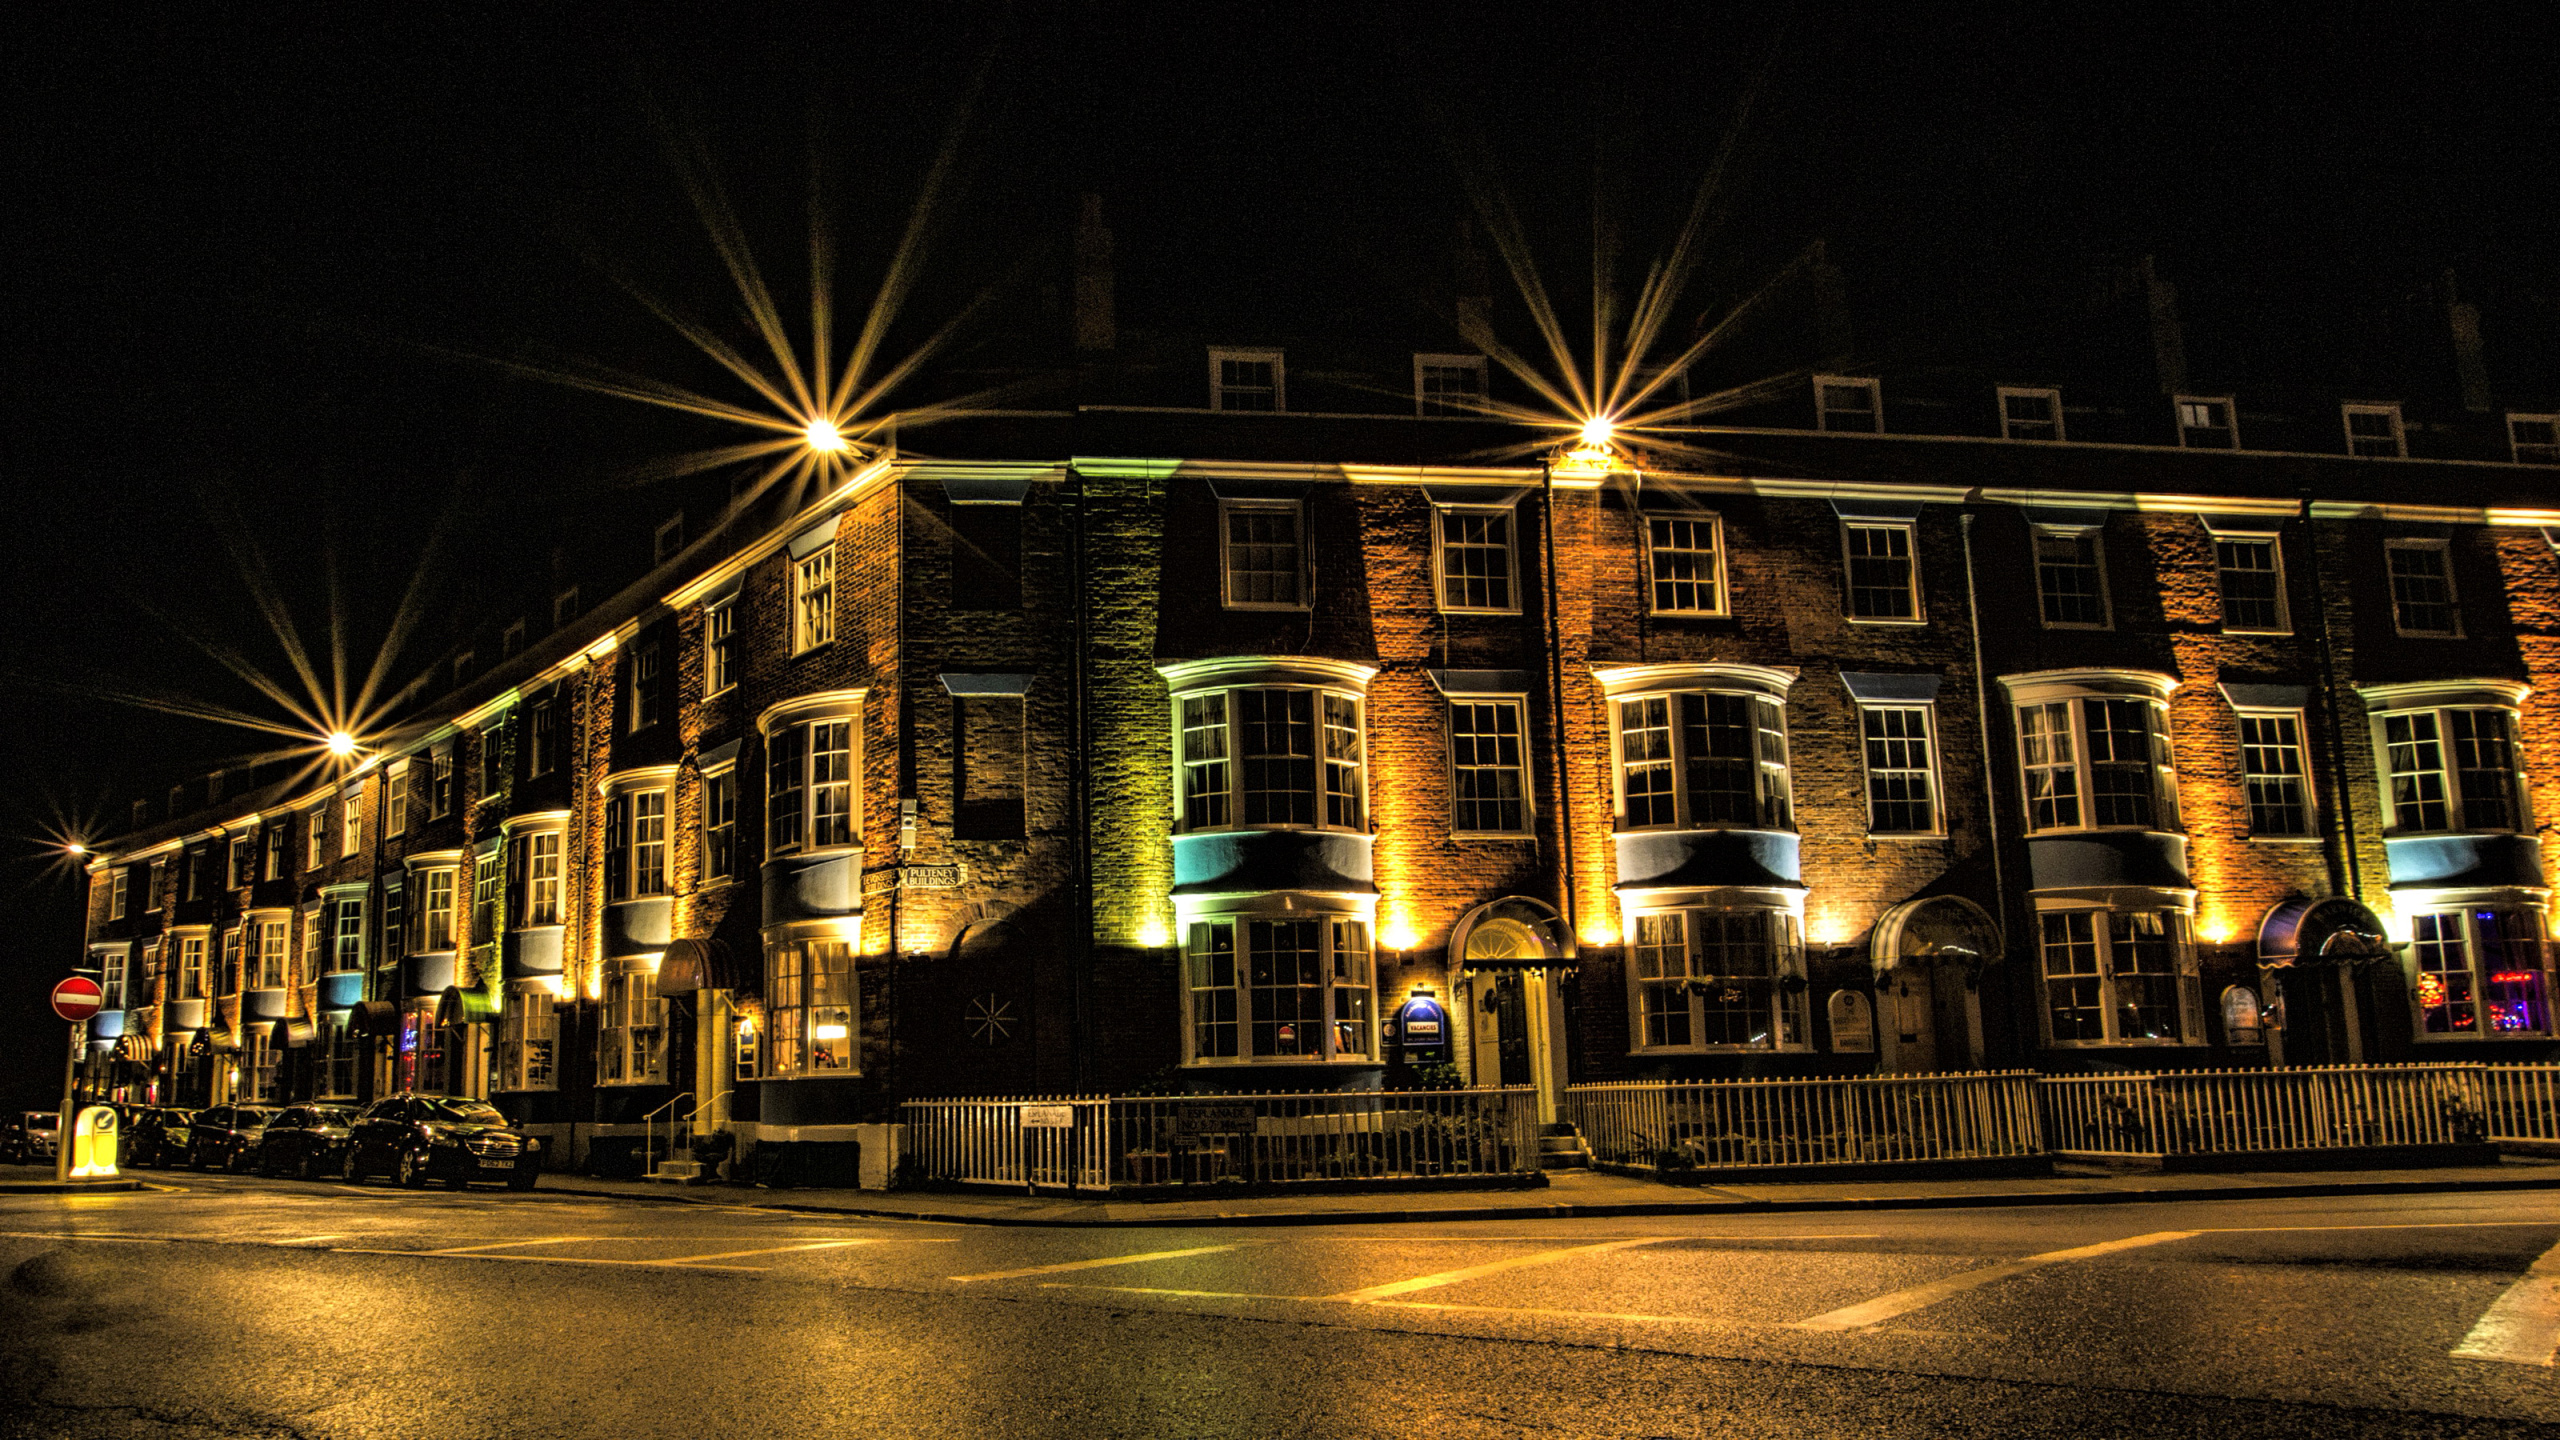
x,y
1307,1062
816,1075
2257,633
1267,609
1471,610
1914,621
1933,837
1690,614
1513,836
812,650
2086,629
2285,839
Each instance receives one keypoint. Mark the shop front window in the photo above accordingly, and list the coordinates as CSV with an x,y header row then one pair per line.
x,y
1719,979
1298,990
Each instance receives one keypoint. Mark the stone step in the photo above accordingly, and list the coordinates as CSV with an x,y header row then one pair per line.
x,y
678,1172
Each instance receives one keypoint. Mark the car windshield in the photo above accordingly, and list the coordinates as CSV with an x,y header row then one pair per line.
x,y
251,1119
45,1120
463,1112
333,1115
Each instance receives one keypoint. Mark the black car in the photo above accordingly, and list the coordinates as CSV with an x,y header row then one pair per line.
x,y
157,1137
226,1136
416,1138
307,1141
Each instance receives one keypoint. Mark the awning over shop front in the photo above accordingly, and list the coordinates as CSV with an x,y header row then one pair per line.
x,y
2332,930
377,1017
465,1007
214,1041
691,965
137,1046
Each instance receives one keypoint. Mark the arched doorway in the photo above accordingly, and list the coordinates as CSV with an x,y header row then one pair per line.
x,y
1928,956
2310,950
1511,956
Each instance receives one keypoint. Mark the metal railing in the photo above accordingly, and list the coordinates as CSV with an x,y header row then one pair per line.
x,y
2234,1112
2524,1103
1865,1120
1095,1143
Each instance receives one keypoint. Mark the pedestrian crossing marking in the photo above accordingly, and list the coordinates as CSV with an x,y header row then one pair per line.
x,y
2523,1326
1903,1302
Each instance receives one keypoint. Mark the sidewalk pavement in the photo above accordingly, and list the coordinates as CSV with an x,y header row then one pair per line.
x,y
1581,1193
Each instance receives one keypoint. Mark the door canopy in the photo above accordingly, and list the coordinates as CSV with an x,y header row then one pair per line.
x,y
2332,930
1938,930
1513,933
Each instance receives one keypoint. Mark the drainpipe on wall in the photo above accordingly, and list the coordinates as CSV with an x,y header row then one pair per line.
x,y
1982,718
2345,875
1555,706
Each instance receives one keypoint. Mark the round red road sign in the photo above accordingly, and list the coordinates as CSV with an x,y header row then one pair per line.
x,y
77,998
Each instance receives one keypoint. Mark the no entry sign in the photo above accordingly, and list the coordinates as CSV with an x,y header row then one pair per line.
x,y
77,998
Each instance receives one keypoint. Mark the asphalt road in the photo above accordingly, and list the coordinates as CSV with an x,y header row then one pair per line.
x,y
238,1307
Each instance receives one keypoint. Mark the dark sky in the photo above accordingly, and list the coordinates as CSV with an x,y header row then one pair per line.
x,y
241,240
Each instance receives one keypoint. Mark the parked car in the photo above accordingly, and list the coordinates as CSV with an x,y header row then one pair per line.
x,y
307,1141
33,1135
416,1138
226,1136
156,1136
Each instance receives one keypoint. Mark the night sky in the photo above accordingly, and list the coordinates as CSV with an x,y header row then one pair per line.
x,y
251,250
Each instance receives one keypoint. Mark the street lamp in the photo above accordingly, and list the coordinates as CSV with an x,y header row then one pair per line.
x,y
825,438
341,744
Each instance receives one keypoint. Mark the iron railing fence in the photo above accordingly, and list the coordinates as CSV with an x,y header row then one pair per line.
x,y
2524,1103
1096,1143
1861,1120
2236,1112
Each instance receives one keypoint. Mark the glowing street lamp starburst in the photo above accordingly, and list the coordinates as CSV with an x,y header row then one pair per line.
x,y
340,745
825,438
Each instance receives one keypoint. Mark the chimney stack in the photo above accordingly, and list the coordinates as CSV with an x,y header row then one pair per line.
x,y
1474,290
1096,327
2470,363
2168,332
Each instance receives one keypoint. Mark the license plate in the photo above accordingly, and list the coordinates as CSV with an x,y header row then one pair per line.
x,y
497,1164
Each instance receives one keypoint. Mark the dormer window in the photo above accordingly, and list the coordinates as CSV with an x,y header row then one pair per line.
x,y
1448,384
1848,403
2374,433
1248,380
2206,422
2534,439
2030,414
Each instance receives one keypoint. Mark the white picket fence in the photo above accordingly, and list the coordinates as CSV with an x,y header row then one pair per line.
x,y
1862,1120
1102,1142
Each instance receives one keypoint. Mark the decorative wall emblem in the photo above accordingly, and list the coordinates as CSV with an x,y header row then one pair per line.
x,y
991,1020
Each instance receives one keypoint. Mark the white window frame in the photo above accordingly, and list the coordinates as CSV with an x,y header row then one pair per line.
x,y
2095,537
1440,516
1320,762
119,893
115,975
2398,439
645,837
194,957
1424,363
2182,405
395,805
794,1015
2427,938
1790,1030
2075,692
2251,776
438,895
351,821
1773,782
714,837
346,933
316,853
813,599
2532,452
2448,769
259,1055
719,645
631,1030
530,1020
1297,513
1518,705
1278,361
315,931
2009,426
1345,967
545,895
2274,541
648,687
1653,549
1824,410
2179,925
2452,592
266,969
1928,773
828,708
1848,572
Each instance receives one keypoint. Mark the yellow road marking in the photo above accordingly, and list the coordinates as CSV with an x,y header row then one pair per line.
x,y
1062,1268
1903,1302
513,1244
768,1250
1375,1293
2523,1326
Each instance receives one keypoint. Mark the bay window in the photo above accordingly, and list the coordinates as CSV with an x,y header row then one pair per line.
x,y
811,802
635,827
2093,751
434,915
2481,971
2453,768
267,964
529,1043
2120,977
810,1010
1274,757
1698,760
631,1030
1718,978
1293,989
